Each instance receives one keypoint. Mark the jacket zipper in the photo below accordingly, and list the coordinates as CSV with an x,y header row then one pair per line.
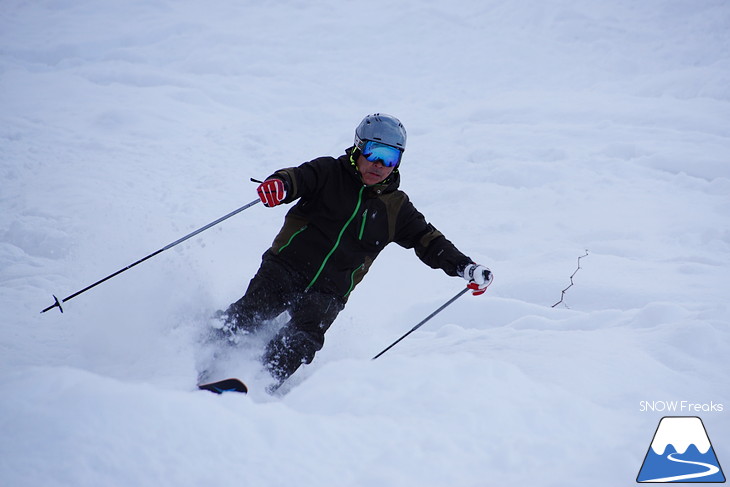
x,y
362,225
339,237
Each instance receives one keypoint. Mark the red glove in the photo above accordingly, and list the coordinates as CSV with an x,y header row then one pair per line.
x,y
479,278
272,192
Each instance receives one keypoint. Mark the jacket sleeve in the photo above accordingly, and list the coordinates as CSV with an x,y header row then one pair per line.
x,y
430,245
306,179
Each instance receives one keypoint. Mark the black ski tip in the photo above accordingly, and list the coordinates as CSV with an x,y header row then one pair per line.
x,y
225,385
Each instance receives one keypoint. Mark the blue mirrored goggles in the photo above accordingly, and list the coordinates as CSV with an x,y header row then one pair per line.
x,y
388,155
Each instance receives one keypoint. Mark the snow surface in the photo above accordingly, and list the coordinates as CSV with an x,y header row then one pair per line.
x,y
537,130
680,432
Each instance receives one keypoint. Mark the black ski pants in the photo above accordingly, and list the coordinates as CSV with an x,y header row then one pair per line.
x,y
274,289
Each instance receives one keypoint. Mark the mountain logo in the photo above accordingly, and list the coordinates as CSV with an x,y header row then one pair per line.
x,y
680,452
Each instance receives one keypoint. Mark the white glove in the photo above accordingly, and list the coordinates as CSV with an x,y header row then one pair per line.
x,y
479,278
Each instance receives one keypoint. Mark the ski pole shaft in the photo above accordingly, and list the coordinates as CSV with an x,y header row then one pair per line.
x,y
57,303
447,303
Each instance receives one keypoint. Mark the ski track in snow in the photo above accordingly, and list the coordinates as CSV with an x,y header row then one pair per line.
x,y
536,131
711,470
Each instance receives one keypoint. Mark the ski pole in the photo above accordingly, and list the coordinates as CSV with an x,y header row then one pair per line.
x,y
447,303
57,303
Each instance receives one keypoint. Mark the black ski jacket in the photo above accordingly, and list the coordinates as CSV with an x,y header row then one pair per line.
x,y
339,225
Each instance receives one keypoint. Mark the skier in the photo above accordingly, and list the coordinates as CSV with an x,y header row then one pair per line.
x,y
349,209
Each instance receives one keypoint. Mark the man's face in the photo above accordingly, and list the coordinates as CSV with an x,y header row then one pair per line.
x,y
372,172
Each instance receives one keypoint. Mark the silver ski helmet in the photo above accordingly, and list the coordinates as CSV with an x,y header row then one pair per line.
x,y
383,128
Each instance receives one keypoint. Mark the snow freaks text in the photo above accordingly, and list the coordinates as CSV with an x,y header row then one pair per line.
x,y
680,407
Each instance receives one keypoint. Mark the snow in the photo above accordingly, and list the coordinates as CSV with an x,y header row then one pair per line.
x,y
537,130
690,430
